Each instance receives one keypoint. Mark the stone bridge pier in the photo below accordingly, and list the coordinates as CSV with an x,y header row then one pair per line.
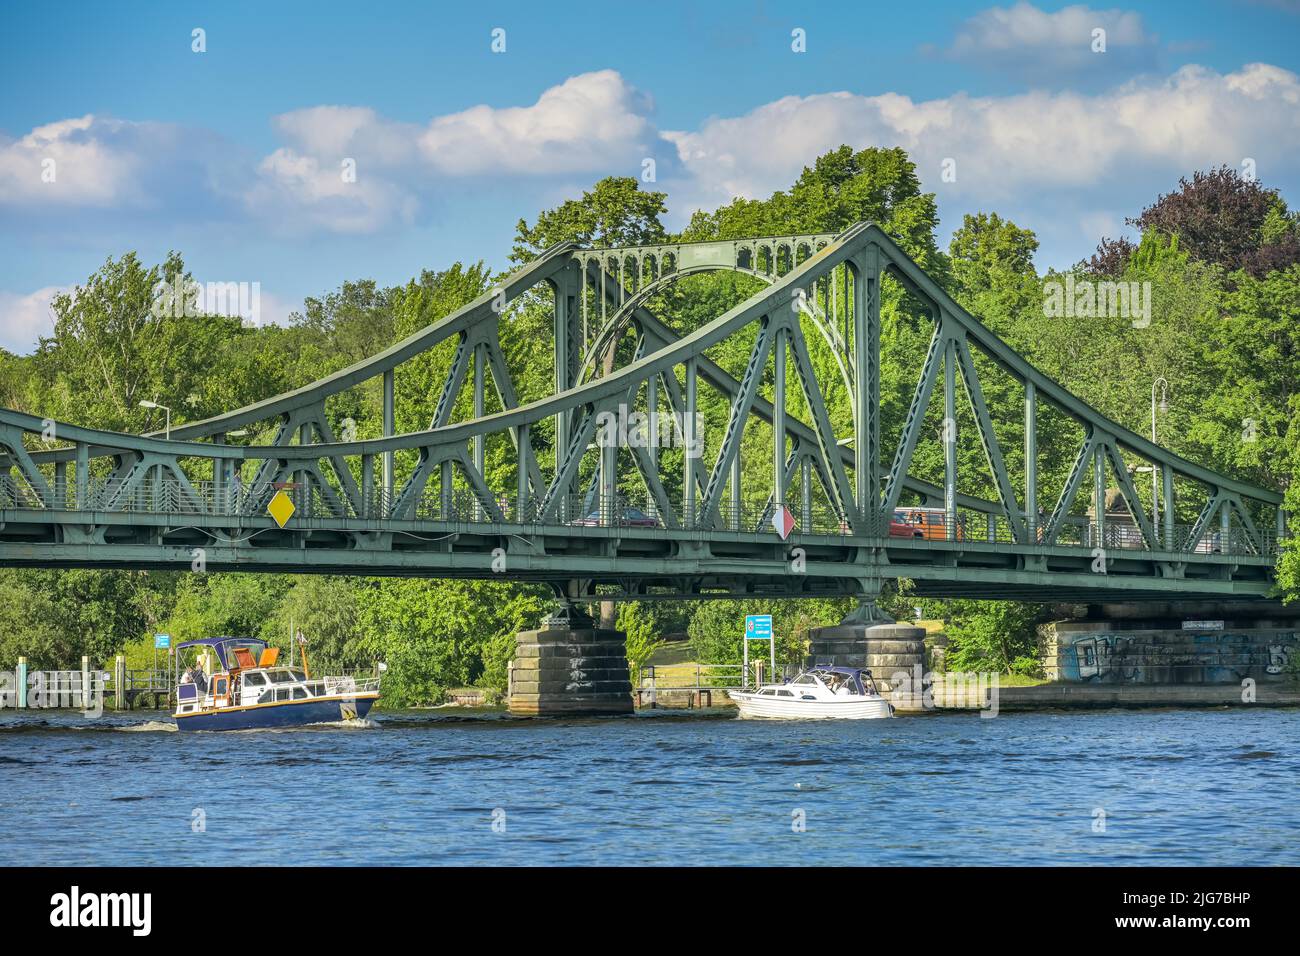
x,y
570,666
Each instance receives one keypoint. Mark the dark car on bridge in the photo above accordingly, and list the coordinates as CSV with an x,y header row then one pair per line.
x,y
631,518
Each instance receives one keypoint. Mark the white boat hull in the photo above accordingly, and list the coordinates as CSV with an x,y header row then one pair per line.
x,y
784,708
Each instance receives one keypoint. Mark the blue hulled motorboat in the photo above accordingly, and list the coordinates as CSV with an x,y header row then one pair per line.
x,y
239,684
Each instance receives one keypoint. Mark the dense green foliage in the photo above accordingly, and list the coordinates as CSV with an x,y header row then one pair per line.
x,y
1219,254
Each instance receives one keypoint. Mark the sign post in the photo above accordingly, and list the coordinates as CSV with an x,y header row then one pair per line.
x,y
758,627
161,642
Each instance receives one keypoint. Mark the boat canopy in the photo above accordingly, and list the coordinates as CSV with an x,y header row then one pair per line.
x,y
220,644
849,671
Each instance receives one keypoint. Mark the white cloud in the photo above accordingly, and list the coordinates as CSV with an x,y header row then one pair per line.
x,y
338,132
82,161
1044,46
24,318
1004,146
582,125
1099,153
296,192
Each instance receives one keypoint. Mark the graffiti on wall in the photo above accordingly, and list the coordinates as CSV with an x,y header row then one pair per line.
x,y
1175,657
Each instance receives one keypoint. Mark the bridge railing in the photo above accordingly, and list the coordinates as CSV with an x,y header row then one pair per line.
x,y
167,496
1116,534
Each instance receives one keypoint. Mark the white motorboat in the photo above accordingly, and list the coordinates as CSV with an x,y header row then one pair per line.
x,y
819,693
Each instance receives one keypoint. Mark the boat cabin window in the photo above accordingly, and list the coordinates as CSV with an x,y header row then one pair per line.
x,y
254,680
283,675
784,693
769,692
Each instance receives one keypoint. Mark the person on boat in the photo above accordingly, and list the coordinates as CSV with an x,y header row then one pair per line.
x,y
188,676
200,678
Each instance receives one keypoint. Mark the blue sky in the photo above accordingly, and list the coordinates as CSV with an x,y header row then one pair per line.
x,y
234,155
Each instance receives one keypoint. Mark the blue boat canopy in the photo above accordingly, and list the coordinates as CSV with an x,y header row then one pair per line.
x,y
219,644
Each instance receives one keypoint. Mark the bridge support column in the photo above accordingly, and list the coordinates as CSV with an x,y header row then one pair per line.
x,y
868,638
570,666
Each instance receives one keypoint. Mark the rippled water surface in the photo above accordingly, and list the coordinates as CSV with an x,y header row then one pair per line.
x,y
1168,787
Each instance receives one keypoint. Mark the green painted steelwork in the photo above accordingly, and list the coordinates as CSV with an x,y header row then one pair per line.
x,y
171,499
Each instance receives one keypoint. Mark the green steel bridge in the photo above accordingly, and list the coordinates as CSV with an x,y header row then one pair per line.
x,y
594,509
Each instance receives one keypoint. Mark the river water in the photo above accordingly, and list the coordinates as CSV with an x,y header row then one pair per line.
x,y
1168,787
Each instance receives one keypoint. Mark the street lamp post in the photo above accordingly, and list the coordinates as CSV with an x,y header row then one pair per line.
x,y
1163,385
148,404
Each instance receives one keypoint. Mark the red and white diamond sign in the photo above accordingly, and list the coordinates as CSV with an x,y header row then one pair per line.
x,y
783,522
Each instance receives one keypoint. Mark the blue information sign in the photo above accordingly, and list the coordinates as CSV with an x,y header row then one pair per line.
x,y
758,627
162,642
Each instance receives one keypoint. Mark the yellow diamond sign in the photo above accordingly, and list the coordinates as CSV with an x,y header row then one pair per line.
x,y
281,508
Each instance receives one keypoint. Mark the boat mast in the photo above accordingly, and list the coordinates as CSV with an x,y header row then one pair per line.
x,y
302,646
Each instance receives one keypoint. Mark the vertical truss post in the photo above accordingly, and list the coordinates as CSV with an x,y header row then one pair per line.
x,y
568,341
805,487
652,419
390,428
866,372
218,475
1099,492
1031,462
735,489
608,439
691,458
478,404
778,416
479,459
1168,474
304,476
949,433
83,475
367,487
521,474
1225,527
447,486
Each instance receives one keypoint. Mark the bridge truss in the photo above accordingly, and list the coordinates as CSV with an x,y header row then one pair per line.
x,y
421,503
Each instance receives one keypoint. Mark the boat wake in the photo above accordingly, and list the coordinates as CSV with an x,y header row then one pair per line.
x,y
362,723
149,727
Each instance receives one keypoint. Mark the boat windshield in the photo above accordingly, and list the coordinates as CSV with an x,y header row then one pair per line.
x,y
283,675
839,683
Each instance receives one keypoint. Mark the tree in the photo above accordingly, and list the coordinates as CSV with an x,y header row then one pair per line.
x,y
440,634
992,635
841,188
110,350
637,621
615,212
1220,217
